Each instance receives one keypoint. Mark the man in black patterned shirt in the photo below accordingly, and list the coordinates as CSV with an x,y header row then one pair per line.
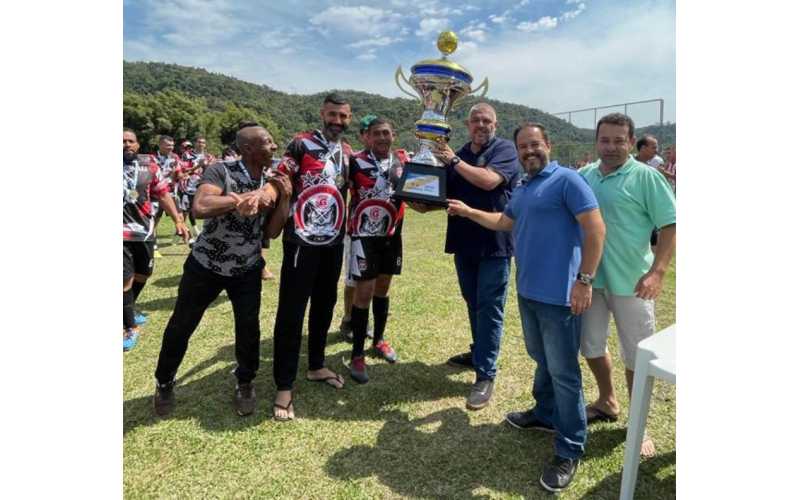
x,y
239,203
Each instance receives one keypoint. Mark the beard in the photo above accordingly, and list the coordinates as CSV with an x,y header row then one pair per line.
x,y
332,131
128,156
534,168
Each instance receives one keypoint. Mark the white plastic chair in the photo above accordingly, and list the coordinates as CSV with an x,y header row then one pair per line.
x,y
655,358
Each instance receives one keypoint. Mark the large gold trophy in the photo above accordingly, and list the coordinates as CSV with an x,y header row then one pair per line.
x,y
439,84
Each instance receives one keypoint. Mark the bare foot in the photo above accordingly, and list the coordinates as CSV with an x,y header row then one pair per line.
x,y
648,447
608,407
266,274
327,376
283,409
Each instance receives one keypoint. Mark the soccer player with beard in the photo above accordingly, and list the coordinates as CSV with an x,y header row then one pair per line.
x,y
375,226
558,240
141,183
238,199
316,161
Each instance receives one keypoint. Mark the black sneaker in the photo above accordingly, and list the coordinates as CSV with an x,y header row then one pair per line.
x,y
480,395
245,399
164,399
526,420
463,360
558,474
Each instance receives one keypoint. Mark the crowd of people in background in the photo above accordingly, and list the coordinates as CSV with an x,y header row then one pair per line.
x,y
579,239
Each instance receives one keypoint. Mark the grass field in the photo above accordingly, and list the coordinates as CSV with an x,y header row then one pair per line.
x,y
405,434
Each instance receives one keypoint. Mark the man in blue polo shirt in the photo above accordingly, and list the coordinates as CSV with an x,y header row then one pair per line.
x,y
482,174
558,235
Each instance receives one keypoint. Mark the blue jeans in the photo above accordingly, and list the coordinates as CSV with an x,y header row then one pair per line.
x,y
484,282
552,338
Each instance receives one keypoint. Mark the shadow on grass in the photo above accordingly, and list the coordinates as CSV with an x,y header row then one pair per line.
x,y
209,399
443,456
648,484
168,281
168,303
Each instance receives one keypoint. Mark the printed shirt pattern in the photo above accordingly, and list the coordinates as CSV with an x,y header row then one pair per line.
x,y
318,170
230,244
373,212
144,177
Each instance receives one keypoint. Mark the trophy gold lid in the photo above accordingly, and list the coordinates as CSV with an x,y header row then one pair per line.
x,y
447,44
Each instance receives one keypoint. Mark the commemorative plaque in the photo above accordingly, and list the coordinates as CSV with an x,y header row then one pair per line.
x,y
439,85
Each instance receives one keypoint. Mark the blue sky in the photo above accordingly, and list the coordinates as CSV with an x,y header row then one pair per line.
x,y
554,55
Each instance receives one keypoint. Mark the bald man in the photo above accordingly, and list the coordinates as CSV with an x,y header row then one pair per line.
x,y
482,175
240,203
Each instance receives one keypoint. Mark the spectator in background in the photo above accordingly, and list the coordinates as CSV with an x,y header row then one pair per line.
x,y
668,169
647,151
167,161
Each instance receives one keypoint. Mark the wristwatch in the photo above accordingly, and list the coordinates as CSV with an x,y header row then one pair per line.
x,y
455,161
585,278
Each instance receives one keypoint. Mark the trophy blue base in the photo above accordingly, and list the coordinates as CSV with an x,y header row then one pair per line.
x,y
422,183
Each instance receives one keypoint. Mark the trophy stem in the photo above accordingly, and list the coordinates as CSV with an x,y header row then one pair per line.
x,y
425,154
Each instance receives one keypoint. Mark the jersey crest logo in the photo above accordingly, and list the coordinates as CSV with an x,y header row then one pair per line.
x,y
319,214
374,217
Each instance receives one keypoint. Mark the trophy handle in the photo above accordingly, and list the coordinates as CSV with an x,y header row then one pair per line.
x,y
398,75
484,85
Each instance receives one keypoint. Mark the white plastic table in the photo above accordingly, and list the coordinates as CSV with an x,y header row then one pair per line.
x,y
655,358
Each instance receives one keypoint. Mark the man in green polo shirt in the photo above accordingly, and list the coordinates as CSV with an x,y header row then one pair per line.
x,y
633,199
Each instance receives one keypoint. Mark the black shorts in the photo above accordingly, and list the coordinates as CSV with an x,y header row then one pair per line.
x,y
370,257
137,258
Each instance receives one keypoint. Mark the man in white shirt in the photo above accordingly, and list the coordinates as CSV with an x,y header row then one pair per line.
x,y
647,151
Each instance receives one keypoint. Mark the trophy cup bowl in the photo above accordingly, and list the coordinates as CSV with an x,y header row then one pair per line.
x,y
439,84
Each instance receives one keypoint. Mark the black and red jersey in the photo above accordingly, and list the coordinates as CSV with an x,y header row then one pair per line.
x,y
373,212
141,183
318,170
168,164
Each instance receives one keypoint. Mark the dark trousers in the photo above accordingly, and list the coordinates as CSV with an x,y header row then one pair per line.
x,y
197,290
307,273
484,283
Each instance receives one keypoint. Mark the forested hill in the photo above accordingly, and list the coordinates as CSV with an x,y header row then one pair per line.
x,y
183,102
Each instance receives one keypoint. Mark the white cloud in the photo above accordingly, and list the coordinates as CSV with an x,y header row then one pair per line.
x,y
356,21
574,1
431,25
475,34
542,24
191,23
380,41
367,56
523,3
501,18
572,14
582,64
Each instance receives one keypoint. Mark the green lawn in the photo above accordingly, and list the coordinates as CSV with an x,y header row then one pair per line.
x,y
405,434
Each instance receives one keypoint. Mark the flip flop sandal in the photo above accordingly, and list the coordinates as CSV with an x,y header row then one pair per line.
x,y
283,419
328,380
594,415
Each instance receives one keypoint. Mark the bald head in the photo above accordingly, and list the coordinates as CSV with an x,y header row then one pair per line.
x,y
249,136
255,145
